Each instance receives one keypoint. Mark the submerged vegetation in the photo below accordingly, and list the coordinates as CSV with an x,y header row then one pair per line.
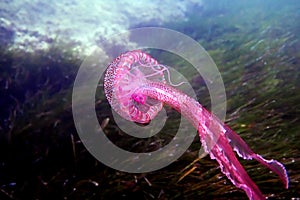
x,y
257,52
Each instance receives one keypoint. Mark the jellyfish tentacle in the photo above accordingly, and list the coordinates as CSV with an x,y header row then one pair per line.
x,y
160,71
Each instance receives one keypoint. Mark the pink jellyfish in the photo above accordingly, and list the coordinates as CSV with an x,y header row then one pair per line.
x,y
136,89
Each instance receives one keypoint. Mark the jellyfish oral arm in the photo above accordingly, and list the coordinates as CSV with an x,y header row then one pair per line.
x,y
244,151
215,137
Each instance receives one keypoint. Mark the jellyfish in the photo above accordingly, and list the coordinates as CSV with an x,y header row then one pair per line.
x,y
136,88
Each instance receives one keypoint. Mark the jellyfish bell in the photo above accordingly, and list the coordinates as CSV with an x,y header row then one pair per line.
x,y
124,76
